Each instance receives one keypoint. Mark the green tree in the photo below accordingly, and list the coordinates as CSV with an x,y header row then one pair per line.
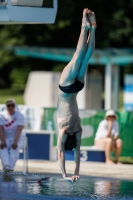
x,y
114,20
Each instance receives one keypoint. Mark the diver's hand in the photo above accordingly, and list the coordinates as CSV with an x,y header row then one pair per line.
x,y
68,179
75,177
72,179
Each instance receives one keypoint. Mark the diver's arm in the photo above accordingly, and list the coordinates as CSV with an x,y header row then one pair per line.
x,y
77,156
61,154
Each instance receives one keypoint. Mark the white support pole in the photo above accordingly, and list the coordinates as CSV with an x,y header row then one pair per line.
x,y
108,77
116,87
81,97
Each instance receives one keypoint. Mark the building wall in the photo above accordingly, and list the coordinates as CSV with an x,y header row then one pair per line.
x,y
42,90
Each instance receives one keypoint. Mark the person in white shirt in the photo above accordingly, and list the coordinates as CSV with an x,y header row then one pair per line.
x,y
107,136
11,135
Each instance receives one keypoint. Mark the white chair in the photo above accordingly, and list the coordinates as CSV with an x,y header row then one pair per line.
x,y
24,151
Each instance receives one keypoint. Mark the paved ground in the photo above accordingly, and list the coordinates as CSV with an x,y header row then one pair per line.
x,y
124,171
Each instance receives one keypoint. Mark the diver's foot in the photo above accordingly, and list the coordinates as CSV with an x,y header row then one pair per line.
x,y
92,19
85,21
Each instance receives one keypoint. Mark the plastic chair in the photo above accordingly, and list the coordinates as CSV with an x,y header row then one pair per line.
x,y
24,151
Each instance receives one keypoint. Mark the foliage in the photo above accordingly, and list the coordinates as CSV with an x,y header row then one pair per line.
x,y
11,94
126,160
114,19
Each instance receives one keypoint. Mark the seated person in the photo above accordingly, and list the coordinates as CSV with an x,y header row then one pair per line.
x,y
107,136
11,135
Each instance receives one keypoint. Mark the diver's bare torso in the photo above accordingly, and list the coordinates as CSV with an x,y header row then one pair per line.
x,y
67,113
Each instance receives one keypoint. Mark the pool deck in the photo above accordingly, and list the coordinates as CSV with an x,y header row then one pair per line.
x,y
94,169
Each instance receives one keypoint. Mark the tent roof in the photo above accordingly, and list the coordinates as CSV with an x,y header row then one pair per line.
x,y
119,56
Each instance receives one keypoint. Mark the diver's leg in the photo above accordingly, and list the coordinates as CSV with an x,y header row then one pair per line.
x,y
90,48
71,70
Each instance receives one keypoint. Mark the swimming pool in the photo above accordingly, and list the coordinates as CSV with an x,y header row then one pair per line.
x,y
25,187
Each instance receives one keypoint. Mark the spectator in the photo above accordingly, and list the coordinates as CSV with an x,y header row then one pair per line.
x,y
11,135
107,136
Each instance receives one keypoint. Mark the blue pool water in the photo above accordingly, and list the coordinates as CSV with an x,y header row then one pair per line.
x,y
26,187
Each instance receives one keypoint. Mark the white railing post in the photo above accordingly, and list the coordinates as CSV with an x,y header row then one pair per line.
x,y
108,77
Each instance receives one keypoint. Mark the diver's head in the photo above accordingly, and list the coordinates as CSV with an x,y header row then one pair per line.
x,y
71,142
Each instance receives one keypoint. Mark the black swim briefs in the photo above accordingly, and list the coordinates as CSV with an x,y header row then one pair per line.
x,y
73,88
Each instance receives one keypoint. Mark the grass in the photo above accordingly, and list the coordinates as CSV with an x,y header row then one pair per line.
x,y
120,100
18,96
126,160
6,94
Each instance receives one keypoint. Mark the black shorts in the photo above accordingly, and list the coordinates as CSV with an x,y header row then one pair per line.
x,y
73,88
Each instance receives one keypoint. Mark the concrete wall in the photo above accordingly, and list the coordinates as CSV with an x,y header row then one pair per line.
x,y
93,91
42,90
